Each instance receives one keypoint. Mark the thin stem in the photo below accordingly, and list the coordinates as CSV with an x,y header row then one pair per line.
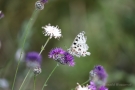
x,y
43,47
83,83
28,81
45,84
29,26
34,81
24,79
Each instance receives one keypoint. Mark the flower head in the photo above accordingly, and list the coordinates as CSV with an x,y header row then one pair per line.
x,y
69,59
33,59
61,56
98,75
56,53
79,87
52,31
39,5
37,71
1,15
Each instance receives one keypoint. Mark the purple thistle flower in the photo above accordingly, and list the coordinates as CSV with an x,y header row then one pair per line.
x,y
98,75
103,88
61,56
1,15
100,72
56,53
33,59
69,59
44,1
92,86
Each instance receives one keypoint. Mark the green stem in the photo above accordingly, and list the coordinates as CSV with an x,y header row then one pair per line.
x,y
28,81
43,47
29,26
83,83
34,81
24,79
45,84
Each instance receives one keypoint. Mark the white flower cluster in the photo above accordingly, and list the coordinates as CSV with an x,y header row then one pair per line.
x,y
79,87
52,31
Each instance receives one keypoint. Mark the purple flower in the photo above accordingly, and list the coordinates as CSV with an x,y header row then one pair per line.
x,y
100,72
98,75
61,56
44,1
56,53
1,15
69,59
33,59
103,88
92,86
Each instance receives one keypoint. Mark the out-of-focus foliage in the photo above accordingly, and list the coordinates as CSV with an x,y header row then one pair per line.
x,y
110,30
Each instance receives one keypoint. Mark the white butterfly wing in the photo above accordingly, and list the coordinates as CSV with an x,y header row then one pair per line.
x,y
79,46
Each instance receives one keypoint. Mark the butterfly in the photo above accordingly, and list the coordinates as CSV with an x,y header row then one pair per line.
x,y
79,46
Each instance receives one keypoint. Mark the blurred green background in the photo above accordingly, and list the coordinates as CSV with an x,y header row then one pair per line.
x,y
110,31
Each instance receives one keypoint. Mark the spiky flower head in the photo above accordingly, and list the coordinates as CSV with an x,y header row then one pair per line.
x,y
61,56
79,87
69,59
1,15
52,31
33,59
98,75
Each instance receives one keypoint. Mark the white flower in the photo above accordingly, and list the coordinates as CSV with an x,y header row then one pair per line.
x,y
4,83
52,31
79,87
